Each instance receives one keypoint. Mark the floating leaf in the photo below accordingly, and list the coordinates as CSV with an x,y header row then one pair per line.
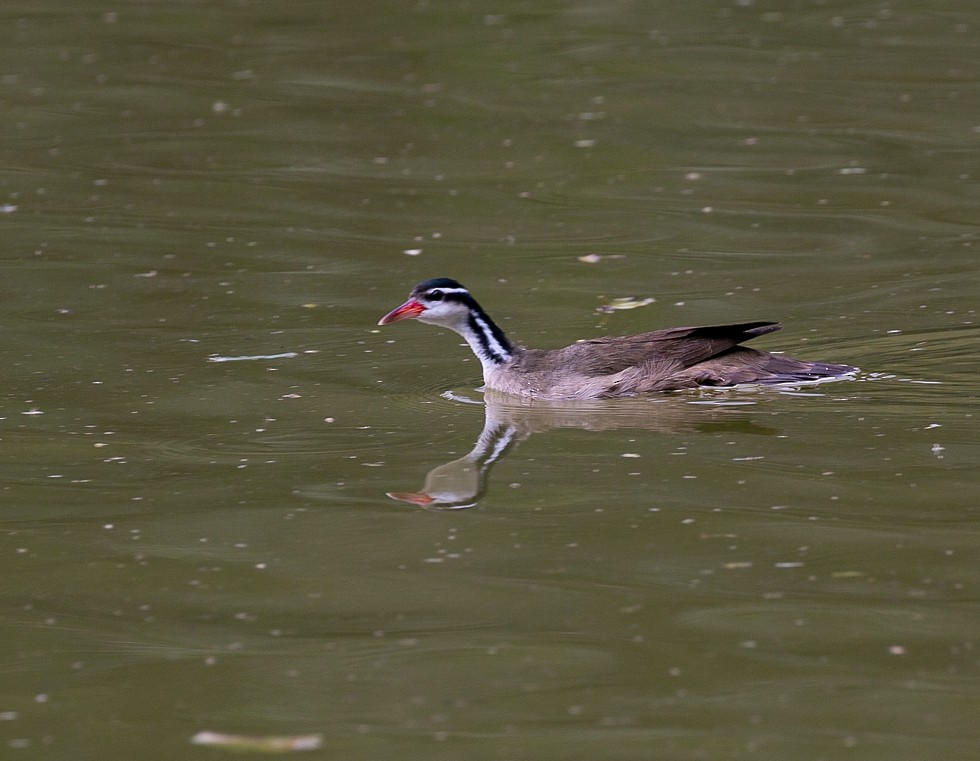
x,y
258,743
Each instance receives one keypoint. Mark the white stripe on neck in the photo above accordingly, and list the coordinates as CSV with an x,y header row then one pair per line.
x,y
497,351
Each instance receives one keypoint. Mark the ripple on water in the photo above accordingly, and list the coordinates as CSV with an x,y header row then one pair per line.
x,y
209,449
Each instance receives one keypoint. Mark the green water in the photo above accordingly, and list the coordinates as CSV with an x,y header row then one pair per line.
x,y
189,545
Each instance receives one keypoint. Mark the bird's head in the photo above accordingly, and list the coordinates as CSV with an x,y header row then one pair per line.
x,y
440,301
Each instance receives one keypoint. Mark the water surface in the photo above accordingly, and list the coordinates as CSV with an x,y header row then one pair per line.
x,y
193,545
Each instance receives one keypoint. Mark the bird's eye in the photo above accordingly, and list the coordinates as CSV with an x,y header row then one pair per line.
x,y
434,295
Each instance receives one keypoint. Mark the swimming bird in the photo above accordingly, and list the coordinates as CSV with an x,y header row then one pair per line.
x,y
662,360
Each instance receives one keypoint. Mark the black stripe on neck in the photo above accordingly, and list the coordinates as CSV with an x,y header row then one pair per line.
x,y
491,337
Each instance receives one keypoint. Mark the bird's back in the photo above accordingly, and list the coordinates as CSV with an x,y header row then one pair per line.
x,y
621,365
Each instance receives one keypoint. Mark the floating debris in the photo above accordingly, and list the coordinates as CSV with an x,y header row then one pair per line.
x,y
254,357
626,302
596,258
258,743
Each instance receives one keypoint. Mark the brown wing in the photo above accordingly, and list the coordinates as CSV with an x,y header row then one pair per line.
x,y
677,348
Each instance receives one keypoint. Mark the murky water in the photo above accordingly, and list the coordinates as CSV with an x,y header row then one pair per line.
x,y
194,545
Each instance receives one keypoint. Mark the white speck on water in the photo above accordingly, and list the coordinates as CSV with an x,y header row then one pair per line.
x,y
412,251
630,454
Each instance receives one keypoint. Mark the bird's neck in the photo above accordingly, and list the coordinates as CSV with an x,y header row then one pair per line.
x,y
486,339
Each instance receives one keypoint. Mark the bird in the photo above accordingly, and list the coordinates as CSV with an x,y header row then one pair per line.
x,y
670,359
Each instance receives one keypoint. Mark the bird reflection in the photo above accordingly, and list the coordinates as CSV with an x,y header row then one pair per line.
x,y
508,420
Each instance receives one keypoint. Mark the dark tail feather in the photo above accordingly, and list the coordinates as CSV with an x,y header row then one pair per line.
x,y
786,370
734,334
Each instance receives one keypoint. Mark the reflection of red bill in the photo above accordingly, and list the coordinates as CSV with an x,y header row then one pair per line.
x,y
412,498
409,309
